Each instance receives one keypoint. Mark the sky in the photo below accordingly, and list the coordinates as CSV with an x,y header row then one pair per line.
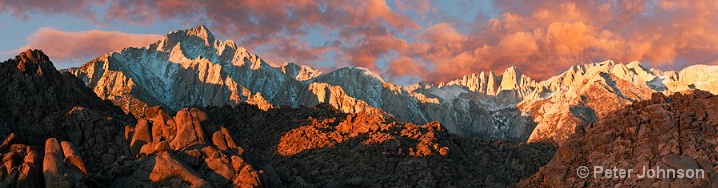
x,y
404,41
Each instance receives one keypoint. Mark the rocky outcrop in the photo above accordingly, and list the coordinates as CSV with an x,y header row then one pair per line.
x,y
667,132
183,150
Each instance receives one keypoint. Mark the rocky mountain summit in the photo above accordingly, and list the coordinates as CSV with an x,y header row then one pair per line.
x,y
666,132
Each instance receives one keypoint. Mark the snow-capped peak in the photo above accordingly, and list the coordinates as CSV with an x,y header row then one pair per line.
x,y
370,73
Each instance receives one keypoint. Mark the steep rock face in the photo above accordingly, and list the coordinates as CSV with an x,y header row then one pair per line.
x,y
666,132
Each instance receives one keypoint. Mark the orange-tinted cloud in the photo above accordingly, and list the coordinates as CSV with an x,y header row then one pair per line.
x,y
78,47
406,67
542,38
545,38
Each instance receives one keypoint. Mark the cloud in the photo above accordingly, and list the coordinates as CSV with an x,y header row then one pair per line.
x,y
541,38
25,9
79,47
545,38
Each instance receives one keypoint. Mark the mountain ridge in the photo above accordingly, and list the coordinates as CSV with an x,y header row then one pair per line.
x,y
483,104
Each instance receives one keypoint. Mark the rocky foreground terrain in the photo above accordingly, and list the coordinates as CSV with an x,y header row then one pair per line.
x,y
668,132
57,133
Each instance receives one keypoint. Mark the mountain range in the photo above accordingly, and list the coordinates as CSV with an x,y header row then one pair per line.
x,y
194,68
194,111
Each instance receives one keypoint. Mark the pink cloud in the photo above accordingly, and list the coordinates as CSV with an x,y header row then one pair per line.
x,y
79,47
542,38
